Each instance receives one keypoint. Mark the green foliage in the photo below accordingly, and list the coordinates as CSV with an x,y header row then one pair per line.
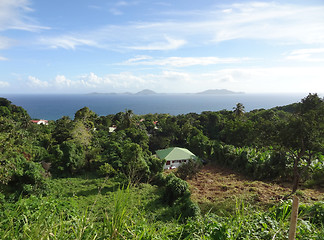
x,y
106,170
62,131
175,189
81,208
4,111
189,169
238,110
80,134
70,157
118,221
317,170
262,144
258,164
27,178
134,165
10,111
315,214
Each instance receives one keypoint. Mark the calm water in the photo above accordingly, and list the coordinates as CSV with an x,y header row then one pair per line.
x,y
53,107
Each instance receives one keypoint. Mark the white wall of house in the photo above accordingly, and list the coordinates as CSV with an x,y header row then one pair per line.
x,y
174,163
44,122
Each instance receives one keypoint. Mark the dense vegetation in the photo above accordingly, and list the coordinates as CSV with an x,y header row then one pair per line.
x,y
81,179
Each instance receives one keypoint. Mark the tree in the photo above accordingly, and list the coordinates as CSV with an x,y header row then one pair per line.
x,y
134,164
86,116
198,143
81,134
303,134
126,120
62,131
73,156
4,102
239,110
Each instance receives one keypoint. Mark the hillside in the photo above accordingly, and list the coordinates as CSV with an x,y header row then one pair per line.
x,y
77,179
217,187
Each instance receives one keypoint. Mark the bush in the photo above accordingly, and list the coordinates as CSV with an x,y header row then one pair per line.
x,y
106,170
316,213
189,209
175,188
189,169
29,179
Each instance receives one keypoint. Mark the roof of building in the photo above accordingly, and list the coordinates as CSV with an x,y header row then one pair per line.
x,y
175,153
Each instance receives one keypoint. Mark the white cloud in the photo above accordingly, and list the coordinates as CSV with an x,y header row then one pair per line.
x,y
13,15
36,83
278,23
62,82
92,80
258,80
274,79
124,80
181,61
5,42
122,3
168,44
307,55
137,59
115,11
4,84
67,42
3,58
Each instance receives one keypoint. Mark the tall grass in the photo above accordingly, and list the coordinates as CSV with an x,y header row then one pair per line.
x,y
49,218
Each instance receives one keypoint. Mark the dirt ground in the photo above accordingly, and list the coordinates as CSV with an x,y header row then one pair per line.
x,y
218,185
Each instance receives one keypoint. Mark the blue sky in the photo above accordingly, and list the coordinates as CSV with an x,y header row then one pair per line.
x,y
82,46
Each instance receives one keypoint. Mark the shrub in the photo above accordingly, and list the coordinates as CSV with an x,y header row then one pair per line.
x,y
316,213
189,209
106,170
73,156
175,188
189,169
29,179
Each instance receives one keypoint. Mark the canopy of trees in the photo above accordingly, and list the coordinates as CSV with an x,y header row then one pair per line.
x,y
283,142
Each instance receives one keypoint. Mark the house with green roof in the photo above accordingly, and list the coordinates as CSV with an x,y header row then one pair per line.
x,y
175,156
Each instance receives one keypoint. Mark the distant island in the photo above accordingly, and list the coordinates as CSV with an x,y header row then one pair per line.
x,y
145,92
151,92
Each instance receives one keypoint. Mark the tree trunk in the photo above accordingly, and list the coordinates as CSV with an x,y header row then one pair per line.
x,y
296,175
293,219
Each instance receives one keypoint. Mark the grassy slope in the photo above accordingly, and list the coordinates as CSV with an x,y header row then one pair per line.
x,y
217,189
85,207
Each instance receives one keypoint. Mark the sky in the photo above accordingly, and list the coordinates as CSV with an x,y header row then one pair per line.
x,y
82,46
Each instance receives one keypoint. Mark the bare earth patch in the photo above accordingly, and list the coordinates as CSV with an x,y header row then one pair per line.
x,y
214,186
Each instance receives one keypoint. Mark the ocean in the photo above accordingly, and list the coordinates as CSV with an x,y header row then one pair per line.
x,y
53,107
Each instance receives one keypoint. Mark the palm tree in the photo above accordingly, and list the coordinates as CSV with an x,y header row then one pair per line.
x,y
239,109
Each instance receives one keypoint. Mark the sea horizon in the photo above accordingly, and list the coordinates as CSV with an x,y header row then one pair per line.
x,y
54,106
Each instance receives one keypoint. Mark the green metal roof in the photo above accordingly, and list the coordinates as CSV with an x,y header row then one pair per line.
x,y
175,153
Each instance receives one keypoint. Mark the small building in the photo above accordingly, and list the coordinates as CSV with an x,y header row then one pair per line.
x,y
175,156
39,122
112,128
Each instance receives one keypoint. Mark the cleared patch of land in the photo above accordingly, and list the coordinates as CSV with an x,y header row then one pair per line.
x,y
219,189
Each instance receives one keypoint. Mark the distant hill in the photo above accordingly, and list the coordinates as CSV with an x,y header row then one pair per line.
x,y
146,92
151,92
219,91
